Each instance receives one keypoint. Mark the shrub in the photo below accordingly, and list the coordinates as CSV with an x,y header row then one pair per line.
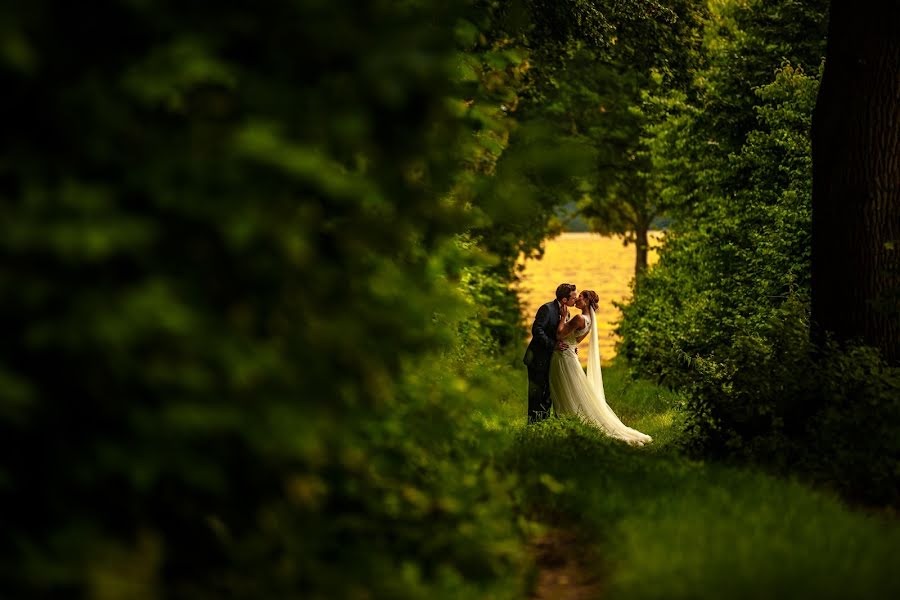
x,y
226,287
724,318
717,310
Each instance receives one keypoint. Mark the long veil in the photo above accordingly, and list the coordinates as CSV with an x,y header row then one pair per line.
x,y
594,376
604,415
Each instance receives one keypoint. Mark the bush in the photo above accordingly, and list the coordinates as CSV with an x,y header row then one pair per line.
x,y
719,309
724,318
227,285
851,441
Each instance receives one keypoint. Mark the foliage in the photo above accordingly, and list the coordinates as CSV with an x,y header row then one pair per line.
x,y
255,269
515,185
230,254
256,265
851,441
595,97
504,162
692,132
551,30
700,318
724,317
735,268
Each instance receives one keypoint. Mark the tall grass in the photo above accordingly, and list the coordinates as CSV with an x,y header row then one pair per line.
x,y
670,527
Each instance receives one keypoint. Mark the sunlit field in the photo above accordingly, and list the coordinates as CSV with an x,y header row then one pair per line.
x,y
590,261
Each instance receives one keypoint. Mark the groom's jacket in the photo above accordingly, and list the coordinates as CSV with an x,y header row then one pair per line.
x,y
543,336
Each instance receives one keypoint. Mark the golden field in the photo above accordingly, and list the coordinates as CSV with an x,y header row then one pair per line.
x,y
591,262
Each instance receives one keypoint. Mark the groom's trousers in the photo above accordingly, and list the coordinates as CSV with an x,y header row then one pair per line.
x,y
539,402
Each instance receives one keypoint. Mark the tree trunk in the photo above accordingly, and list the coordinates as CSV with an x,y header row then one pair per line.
x,y
856,178
641,246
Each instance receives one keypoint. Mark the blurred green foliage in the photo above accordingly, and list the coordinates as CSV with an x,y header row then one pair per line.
x,y
255,292
255,287
230,265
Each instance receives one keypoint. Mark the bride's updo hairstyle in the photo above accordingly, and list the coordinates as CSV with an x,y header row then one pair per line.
x,y
592,297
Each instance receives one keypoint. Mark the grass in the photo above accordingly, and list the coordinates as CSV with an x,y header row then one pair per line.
x,y
670,527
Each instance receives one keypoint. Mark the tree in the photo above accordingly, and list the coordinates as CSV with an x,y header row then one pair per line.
x,y
744,43
856,170
596,98
725,314
622,196
733,276
517,58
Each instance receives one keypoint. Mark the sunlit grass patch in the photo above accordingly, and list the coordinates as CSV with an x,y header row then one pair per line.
x,y
671,527
732,533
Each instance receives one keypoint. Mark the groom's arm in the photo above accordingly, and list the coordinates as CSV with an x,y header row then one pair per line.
x,y
540,328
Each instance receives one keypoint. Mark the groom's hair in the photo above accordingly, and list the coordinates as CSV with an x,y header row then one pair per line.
x,y
564,290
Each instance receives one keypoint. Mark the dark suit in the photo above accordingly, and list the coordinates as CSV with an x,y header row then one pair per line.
x,y
537,359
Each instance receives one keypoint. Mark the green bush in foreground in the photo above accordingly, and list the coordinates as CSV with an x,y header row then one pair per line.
x,y
223,253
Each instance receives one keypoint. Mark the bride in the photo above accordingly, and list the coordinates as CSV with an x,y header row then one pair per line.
x,y
572,391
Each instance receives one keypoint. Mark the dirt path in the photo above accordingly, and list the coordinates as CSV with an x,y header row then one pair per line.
x,y
566,569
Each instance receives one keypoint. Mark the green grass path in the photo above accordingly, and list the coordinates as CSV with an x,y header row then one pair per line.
x,y
669,527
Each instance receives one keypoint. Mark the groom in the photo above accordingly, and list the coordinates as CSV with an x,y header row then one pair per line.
x,y
537,356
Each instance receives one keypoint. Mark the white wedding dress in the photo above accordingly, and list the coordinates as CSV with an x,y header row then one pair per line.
x,y
574,393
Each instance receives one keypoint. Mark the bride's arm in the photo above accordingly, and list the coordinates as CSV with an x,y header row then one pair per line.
x,y
567,327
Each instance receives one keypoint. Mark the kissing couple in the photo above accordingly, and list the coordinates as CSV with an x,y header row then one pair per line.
x,y
555,376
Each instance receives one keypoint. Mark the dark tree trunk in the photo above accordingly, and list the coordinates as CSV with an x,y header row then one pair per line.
x,y
856,178
641,246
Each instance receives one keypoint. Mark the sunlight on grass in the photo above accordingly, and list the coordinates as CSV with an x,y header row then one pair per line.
x,y
733,533
656,422
671,527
